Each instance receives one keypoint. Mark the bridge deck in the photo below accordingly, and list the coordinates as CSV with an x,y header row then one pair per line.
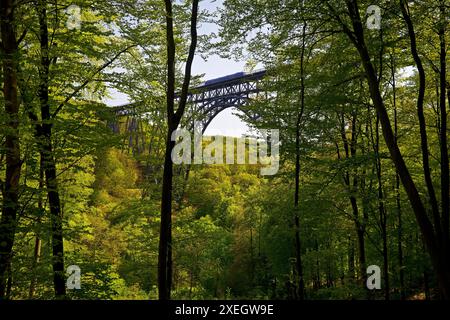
x,y
230,80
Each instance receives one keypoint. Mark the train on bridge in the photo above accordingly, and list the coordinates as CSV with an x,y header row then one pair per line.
x,y
235,77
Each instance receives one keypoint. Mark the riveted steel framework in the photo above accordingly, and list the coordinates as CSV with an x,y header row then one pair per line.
x,y
207,100
214,96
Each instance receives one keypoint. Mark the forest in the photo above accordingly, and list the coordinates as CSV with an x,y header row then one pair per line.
x,y
94,207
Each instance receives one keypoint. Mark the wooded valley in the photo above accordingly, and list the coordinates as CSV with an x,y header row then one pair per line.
x,y
359,92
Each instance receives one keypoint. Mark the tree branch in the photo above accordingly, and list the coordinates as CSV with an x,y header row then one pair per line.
x,y
190,59
87,81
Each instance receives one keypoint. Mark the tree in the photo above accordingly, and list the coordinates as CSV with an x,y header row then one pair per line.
x,y
10,187
173,120
431,234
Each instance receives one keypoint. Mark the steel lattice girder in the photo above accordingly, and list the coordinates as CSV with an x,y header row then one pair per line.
x,y
212,97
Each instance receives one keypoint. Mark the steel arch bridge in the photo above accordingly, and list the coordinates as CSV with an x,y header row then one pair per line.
x,y
214,96
210,98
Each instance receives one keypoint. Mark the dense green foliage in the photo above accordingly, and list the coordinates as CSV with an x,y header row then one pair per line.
x,y
336,206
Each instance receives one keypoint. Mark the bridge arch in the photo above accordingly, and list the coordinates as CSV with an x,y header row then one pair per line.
x,y
232,91
210,98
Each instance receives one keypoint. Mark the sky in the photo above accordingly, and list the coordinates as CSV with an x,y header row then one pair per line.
x,y
225,123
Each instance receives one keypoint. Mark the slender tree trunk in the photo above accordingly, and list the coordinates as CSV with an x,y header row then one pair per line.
x,y
445,183
351,260
252,258
170,283
36,259
352,185
299,266
38,241
317,280
448,93
361,242
10,187
55,211
48,159
166,199
401,270
166,220
422,123
382,213
173,120
329,276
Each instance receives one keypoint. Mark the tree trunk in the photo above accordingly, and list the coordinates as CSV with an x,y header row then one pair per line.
x,y
317,279
382,213
10,187
48,160
445,185
360,223
38,241
299,266
401,271
361,253
351,260
170,283
36,258
173,120
166,220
